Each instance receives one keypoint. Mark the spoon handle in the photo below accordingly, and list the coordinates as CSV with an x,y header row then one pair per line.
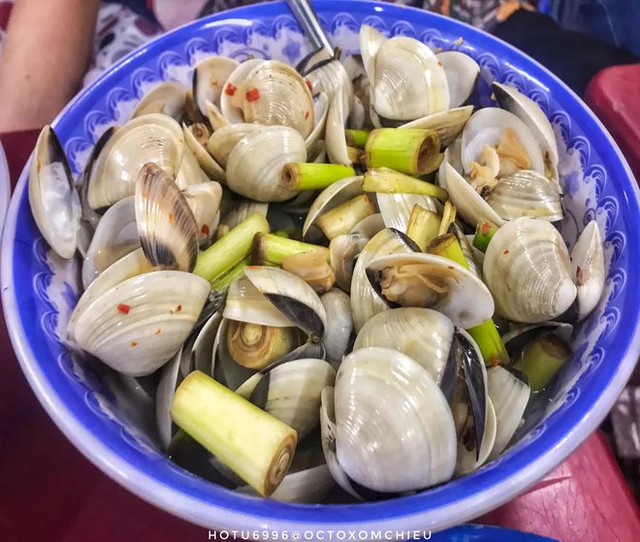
x,y
308,21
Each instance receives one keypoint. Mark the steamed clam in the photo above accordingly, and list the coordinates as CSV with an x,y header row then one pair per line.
x,y
355,319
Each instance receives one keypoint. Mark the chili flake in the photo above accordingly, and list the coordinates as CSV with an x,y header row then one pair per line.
x,y
306,115
178,308
494,360
252,95
123,308
439,63
205,230
308,83
230,89
158,331
486,228
506,251
171,217
134,344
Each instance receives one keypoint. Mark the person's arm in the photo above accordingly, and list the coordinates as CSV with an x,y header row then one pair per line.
x,y
45,54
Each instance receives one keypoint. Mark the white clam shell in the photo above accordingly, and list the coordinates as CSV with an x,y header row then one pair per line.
x,y
55,204
161,310
411,442
230,101
242,210
510,396
255,164
365,303
167,98
424,335
204,201
209,76
116,235
205,160
321,108
587,268
164,396
527,269
336,122
449,124
486,127
339,324
468,302
395,209
408,81
462,73
223,140
370,41
467,461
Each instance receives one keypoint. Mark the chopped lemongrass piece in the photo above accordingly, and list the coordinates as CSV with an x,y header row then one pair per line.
x,y
355,155
302,176
230,249
344,217
411,151
222,283
255,346
356,138
388,181
270,249
423,226
542,359
484,234
252,443
485,334
282,233
313,268
448,218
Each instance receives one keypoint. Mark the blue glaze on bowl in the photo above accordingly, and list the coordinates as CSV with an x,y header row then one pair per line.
x,y
39,290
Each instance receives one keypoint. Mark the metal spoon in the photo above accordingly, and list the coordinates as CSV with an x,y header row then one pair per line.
x,y
308,21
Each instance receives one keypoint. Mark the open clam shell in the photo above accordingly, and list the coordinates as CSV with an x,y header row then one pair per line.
x,y
424,335
55,204
395,209
204,201
587,266
291,392
167,228
169,379
510,394
158,139
136,326
339,324
528,271
412,410
365,302
429,281
209,77
167,98
231,98
255,164
343,252
334,130
116,235
193,135
448,124
462,72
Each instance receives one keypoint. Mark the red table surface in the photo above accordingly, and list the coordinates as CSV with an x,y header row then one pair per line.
x,y
49,491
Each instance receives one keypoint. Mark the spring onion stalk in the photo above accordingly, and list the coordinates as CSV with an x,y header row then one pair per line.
x,y
389,181
271,249
542,359
313,268
344,217
423,226
255,346
448,218
356,138
411,151
485,334
230,249
252,443
301,176
484,234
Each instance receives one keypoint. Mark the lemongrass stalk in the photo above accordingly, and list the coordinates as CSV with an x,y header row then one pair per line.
x,y
270,249
356,138
355,155
411,151
484,234
448,218
252,443
282,233
423,226
485,334
255,346
388,181
222,283
230,249
302,176
542,359
344,217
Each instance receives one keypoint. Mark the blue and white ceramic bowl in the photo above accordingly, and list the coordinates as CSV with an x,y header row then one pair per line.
x,y
39,290
5,186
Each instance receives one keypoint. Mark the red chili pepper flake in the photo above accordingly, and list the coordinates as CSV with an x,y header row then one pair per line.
x,y
252,95
205,230
495,361
486,228
134,344
178,308
506,251
579,275
308,83
123,308
158,331
230,89
306,115
439,63
171,217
